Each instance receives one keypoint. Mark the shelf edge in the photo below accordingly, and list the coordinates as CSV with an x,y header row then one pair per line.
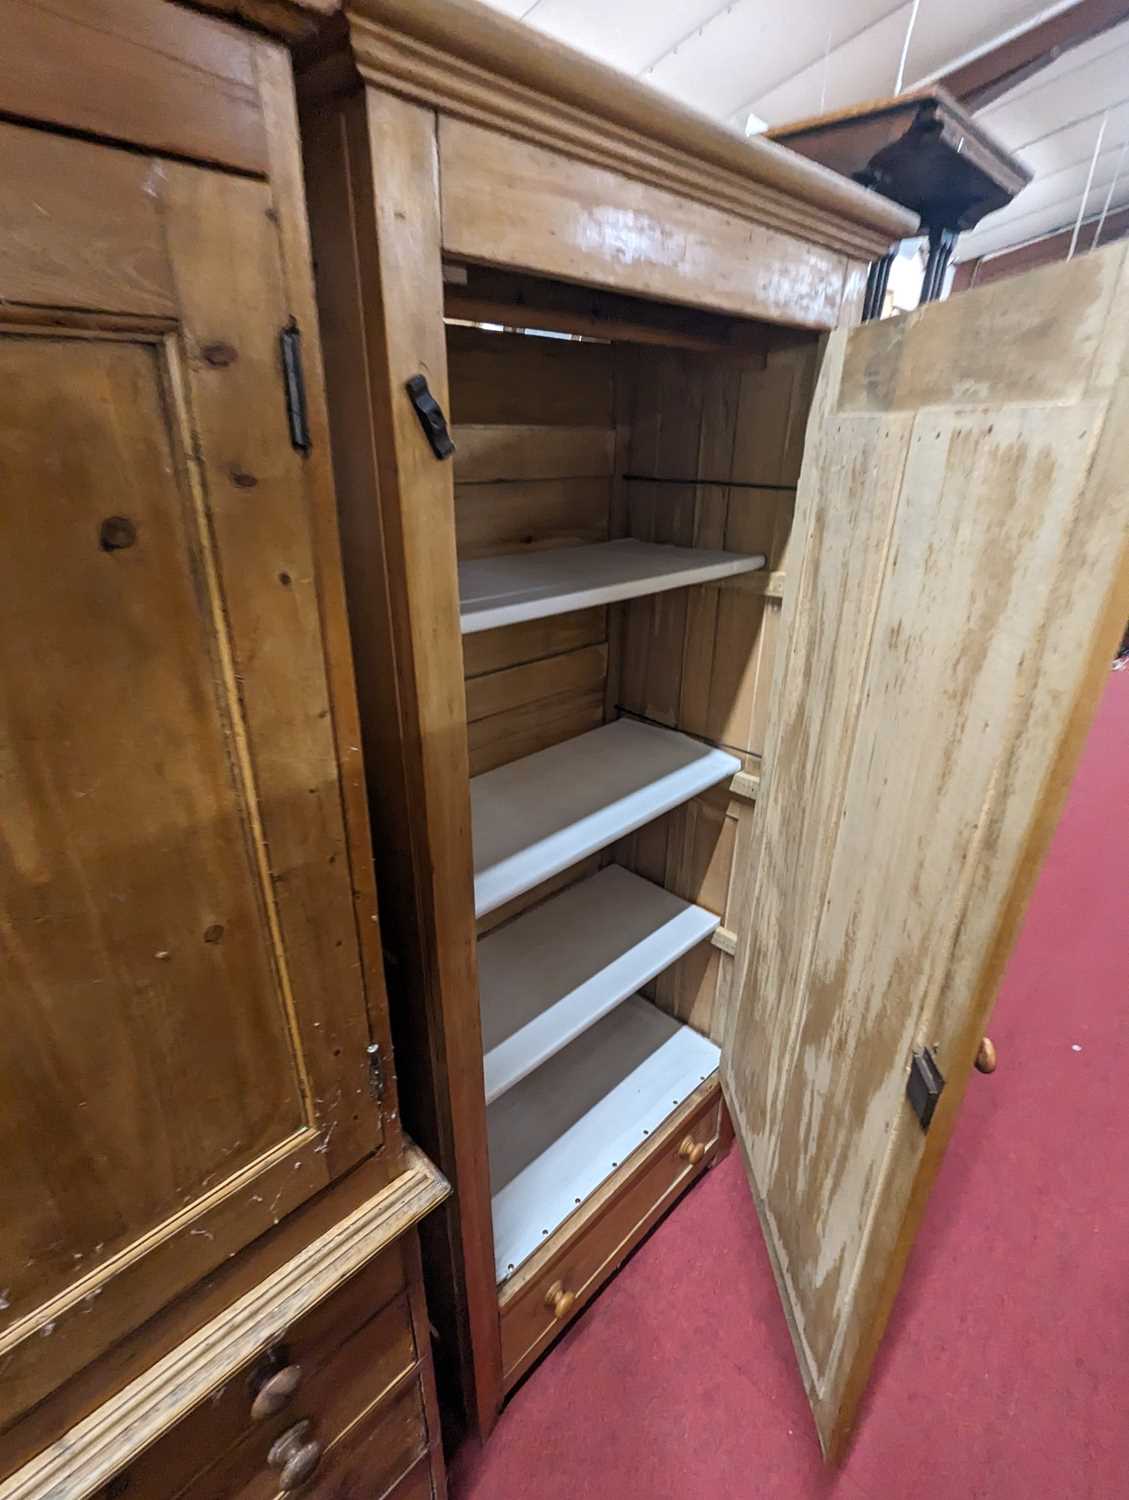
x,y
496,617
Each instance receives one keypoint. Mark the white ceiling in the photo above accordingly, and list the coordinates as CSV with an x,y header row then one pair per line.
x,y
1053,122
783,60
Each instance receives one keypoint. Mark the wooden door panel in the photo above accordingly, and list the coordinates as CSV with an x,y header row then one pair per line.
x,y
73,248
963,583
185,1023
130,887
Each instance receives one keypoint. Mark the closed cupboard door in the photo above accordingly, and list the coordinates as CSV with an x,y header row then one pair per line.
x,y
184,1026
964,514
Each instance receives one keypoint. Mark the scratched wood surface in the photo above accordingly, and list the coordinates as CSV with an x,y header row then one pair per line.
x,y
186,1411
964,514
185,1021
522,205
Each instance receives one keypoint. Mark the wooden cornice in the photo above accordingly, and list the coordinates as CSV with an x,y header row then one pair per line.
x,y
468,61
101,1445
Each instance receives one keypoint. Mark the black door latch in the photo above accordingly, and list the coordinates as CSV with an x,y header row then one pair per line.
x,y
924,1085
290,342
431,417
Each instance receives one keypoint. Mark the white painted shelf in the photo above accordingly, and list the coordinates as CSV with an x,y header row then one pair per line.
x,y
559,968
561,1132
538,815
497,591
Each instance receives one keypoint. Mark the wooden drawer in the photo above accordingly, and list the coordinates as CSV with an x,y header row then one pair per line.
x,y
417,1484
350,1349
376,1453
592,1245
379,1359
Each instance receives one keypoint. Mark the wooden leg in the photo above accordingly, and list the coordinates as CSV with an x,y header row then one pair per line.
x,y
876,288
941,245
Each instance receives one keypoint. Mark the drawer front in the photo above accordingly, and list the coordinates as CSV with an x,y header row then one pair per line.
x,y
375,1454
419,1484
378,1356
362,1331
539,1303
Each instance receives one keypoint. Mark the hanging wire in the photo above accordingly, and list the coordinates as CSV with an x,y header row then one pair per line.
x,y
823,83
1109,195
1086,189
905,47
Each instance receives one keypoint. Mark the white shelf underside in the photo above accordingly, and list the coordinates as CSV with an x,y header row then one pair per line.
x,y
561,1132
556,970
496,591
536,816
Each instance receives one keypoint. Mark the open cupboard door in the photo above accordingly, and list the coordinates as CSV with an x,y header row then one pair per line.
x,y
962,520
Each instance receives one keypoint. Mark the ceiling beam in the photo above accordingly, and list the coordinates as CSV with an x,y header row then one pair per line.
x,y
1039,252
982,79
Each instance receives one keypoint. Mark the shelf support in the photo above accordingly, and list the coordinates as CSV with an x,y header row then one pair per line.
x,y
766,585
746,785
724,939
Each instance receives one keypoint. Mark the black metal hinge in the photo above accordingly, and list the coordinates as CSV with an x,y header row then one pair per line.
x,y
431,417
924,1085
375,1072
294,384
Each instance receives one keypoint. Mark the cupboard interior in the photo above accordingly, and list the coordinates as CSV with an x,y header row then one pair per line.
x,y
607,890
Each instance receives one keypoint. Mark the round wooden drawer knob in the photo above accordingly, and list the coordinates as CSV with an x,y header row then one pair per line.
x,y
986,1057
559,1301
691,1150
296,1455
275,1392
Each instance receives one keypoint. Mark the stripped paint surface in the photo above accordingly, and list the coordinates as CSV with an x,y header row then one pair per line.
x,y
963,518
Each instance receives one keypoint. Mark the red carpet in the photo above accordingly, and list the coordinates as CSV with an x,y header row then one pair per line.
x,y
1005,1373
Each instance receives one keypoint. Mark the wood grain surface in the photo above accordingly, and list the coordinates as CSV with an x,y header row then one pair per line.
x,y
298,1297
533,209
155,76
963,582
517,80
189,1054
372,169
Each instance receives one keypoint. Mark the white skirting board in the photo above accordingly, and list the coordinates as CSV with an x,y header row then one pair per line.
x,y
497,591
561,1132
536,816
556,970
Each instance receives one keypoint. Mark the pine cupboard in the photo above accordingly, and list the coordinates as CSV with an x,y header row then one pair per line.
x,y
719,686
209,1276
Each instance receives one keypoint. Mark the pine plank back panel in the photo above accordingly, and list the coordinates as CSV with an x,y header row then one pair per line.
x,y
534,459
701,659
